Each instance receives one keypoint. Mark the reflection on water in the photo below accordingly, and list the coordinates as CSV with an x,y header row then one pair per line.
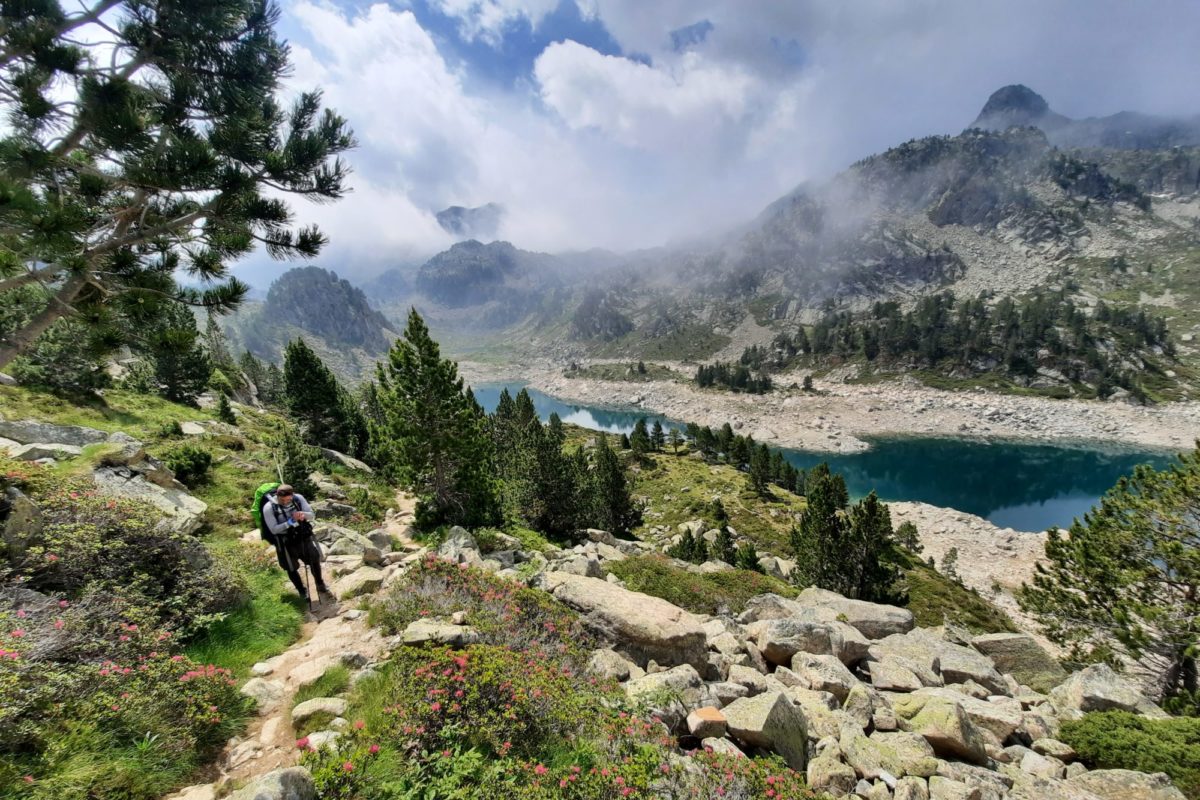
x,y
1022,486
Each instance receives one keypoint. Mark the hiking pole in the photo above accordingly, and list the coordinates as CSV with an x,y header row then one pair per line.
x,y
308,586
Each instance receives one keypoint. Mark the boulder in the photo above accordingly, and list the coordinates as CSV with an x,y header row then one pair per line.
x,y
944,724
1040,765
706,722
873,620
681,681
28,431
343,541
911,788
890,675
607,663
896,754
1123,784
459,547
331,706
39,450
780,639
381,539
722,746
292,783
1052,747
826,773
641,626
772,722
21,525
349,462
960,664
430,631
362,581
265,694
824,673
180,510
946,789
1098,688
1019,655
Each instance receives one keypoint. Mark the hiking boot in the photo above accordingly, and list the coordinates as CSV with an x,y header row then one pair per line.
x,y
324,592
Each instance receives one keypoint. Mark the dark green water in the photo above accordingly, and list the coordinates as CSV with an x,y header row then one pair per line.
x,y
1023,486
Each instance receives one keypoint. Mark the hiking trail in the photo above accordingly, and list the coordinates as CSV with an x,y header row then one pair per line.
x,y
338,636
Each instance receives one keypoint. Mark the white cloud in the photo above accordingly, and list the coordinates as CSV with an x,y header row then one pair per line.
x,y
486,19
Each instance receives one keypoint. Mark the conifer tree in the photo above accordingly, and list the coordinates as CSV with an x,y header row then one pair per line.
x,y
148,154
685,548
297,461
869,570
658,437
724,547
909,538
612,506
225,411
1123,585
639,439
674,438
760,470
316,400
747,558
821,537
720,515
431,437
624,442
181,365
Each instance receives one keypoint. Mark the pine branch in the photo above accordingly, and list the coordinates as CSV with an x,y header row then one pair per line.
x,y
59,306
31,276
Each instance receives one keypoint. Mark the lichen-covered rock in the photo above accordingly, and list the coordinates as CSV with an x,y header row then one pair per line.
x,y
459,546
824,673
640,626
911,788
873,620
827,773
180,510
265,693
772,722
1123,784
28,431
363,580
292,783
944,724
606,663
1098,688
332,706
946,789
682,681
890,675
1019,655
429,631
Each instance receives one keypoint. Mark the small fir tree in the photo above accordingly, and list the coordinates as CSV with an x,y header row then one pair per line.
x,y
658,436
760,470
724,547
639,439
225,411
747,558
181,365
675,439
612,506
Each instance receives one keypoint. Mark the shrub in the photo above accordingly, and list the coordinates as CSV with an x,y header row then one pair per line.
x,y
1120,740
94,543
698,593
225,411
189,462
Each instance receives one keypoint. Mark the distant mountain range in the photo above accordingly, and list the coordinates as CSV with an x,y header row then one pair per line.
x,y
481,222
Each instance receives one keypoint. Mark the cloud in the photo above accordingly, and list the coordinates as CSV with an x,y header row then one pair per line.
x,y
727,105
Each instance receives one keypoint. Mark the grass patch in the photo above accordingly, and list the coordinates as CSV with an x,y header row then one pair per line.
x,y
690,343
933,599
139,415
624,372
699,593
265,626
334,682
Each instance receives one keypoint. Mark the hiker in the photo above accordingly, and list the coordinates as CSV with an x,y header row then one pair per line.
x,y
288,516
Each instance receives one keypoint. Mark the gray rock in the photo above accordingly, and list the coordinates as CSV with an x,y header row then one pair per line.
x,y
292,783
362,581
265,694
641,626
682,681
890,675
39,450
28,431
723,746
346,461
23,526
459,546
606,663
780,639
1019,655
428,631
180,510
772,722
1040,765
1098,688
380,539
344,542
1052,747
873,620
946,789
192,429
911,788
1123,784
826,773
824,673
333,706
944,724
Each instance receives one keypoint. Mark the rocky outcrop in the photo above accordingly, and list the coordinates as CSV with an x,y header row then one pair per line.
x,y
293,783
638,625
770,721
180,510
873,620
30,431
1019,655
1123,784
1098,688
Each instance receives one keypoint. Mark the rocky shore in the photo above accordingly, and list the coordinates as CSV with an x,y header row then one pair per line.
x,y
838,417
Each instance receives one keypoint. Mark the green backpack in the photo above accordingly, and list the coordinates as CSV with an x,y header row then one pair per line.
x,y
261,495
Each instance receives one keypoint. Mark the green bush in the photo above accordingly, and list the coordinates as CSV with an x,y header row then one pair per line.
x,y
1120,740
934,598
698,593
189,462
115,548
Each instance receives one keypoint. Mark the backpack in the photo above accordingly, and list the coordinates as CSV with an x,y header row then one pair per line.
x,y
262,496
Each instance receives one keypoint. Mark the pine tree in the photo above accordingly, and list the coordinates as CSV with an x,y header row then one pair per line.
x,y
658,437
1123,585
218,347
624,442
718,512
724,547
674,438
612,506
431,438
760,470
326,412
225,411
151,154
950,564
181,365
869,568
685,548
297,461
909,538
821,540
639,439
274,385
747,558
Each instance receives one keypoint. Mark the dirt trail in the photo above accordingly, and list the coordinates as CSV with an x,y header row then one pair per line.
x,y
337,632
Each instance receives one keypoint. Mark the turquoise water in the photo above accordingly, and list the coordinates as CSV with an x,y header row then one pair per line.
x,y
1023,486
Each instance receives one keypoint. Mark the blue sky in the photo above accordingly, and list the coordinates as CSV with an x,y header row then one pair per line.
x,y
633,123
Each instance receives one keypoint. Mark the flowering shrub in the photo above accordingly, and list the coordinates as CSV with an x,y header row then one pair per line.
x,y
130,726
504,613
94,542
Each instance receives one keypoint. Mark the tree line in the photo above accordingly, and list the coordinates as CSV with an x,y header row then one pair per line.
x,y
1010,337
736,377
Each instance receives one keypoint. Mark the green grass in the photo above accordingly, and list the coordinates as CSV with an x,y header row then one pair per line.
x,y
765,522
933,599
698,593
265,626
138,415
334,682
690,343
624,372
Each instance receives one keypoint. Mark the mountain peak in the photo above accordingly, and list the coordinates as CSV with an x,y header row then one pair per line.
x,y
1015,104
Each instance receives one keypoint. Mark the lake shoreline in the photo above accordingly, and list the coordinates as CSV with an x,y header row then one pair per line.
x,y
844,418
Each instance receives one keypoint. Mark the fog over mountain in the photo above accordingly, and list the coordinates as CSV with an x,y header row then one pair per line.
x,y
624,125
